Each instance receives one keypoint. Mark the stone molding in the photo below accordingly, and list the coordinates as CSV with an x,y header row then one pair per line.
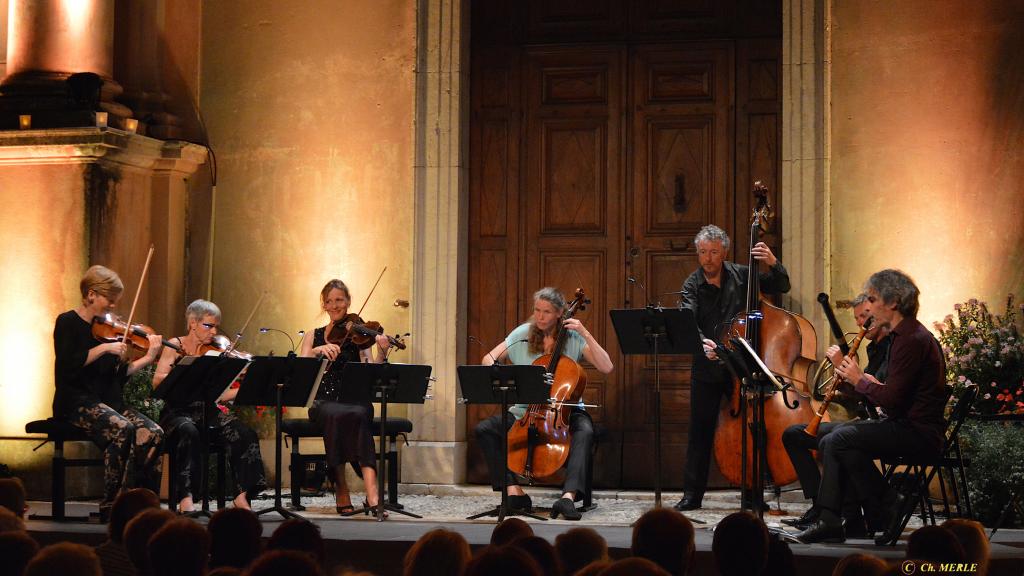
x,y
87,145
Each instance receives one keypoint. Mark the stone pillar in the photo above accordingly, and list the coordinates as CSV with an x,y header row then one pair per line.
x,y
75,197
805,157
437,451
47,42
139,65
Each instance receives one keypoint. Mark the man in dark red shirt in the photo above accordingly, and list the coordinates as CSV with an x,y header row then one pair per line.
x,y
913,396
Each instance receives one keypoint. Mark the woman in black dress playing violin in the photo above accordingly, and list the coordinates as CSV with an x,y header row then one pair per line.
x,y
89,377
346,427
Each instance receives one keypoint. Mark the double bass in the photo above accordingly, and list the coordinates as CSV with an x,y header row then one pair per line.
x,y
538,443
787,344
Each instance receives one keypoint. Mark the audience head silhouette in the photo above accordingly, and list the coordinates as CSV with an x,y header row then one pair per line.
x,y
234,537
503,561
301,536
137,533
126,506
934,543
12,496
437,553
634,567
860,565
542,552
289,562
971,535
510,529
579,547
16,549
664,537
179,548
66,559
740,545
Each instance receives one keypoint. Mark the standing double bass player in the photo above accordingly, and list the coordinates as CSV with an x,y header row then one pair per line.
x,y
716,292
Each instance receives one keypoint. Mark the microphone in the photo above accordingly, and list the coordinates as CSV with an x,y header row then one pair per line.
x,y
647,298
491,356
287,335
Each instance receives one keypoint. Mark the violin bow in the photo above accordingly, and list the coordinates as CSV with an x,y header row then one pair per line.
x,y
367,300
238,335
138,291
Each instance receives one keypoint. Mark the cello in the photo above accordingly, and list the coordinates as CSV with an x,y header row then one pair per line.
x,y
538,443
787,344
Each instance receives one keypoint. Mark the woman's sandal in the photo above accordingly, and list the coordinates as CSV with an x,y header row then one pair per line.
x,y
367,509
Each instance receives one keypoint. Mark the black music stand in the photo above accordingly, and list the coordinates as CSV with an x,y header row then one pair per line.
x,y
364,382
745,364
280,381
199,379
656,330
504,384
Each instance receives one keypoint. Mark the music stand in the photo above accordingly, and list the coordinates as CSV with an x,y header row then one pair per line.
x,y
363,383
504,384
656,330
744,362
280,381
200,379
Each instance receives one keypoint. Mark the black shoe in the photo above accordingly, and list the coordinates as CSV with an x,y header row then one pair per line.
x,y
520,503
893,526
688,502
855,527
803,522
565,507
822,532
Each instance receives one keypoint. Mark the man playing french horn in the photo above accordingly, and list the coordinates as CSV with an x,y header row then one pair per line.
x,y
800,444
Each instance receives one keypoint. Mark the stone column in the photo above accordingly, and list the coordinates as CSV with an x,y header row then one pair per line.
x,y
805,157
139,65
47,42
437,451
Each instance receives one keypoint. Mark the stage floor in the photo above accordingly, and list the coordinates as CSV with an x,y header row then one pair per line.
x,y
365,543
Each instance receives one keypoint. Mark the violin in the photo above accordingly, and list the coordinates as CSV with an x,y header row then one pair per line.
x,y
363,334
222,346
111,328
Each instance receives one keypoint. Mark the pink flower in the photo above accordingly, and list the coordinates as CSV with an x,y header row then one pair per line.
x,y
958,306
973,301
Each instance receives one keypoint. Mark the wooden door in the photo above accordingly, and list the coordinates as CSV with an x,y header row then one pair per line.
x,y
681,179
603,135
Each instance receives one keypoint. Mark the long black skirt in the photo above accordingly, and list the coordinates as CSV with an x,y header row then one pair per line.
x,y
347,434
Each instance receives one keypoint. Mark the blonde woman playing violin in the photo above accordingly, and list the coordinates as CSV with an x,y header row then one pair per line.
x,y
89,376
243,445
346,427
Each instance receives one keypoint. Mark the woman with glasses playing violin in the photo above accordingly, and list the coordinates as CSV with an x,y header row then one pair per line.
x,y
243,445
89,376
346,427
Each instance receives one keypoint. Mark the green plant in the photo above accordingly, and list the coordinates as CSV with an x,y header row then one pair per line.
x,y
995,471
138,391
259,418
985,349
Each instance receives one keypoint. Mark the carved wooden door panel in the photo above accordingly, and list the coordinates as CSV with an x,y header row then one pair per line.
x,y
681,179
573,202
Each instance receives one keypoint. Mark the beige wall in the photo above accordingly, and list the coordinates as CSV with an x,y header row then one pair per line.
x,y
3,38
927,108
309,107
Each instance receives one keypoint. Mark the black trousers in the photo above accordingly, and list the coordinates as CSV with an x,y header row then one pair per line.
x,y
243,451
705,401
799,446
848,454
581,427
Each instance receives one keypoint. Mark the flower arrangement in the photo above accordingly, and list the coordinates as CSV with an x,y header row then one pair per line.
x,y
985,349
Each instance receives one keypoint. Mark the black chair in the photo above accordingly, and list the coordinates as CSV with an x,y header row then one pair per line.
x,y
60,431
918,473
295,429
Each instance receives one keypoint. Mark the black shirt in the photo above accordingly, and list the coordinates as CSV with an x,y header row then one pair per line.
x,y
75,383
713,306
330,384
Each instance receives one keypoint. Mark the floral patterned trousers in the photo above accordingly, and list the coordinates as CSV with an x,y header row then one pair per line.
x,y
131,445
241,442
